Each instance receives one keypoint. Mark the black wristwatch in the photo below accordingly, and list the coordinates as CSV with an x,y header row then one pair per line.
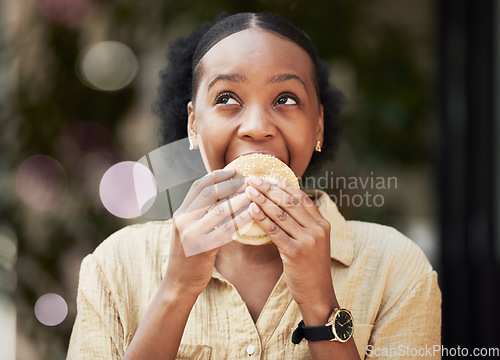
x,y
338,328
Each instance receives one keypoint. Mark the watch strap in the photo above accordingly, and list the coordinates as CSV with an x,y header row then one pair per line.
x,y
311,333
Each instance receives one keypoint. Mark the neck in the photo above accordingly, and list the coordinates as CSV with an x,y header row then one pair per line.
x,y
235,253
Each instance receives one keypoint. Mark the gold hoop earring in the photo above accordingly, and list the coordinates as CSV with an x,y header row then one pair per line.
x,y
318,146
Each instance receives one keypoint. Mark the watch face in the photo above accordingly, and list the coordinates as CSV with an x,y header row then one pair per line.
x,y
343,325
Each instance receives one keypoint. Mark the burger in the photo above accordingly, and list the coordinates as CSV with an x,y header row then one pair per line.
x,y
262,166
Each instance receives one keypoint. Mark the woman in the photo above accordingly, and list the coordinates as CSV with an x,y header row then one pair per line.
x,y
257,86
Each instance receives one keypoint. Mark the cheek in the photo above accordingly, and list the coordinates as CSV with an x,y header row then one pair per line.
x,y
301,142
302,134
214,133
215,139
301,149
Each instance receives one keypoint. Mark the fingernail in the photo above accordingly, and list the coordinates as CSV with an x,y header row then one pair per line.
x,y
272,180
229,168
254,180
254,208
252,191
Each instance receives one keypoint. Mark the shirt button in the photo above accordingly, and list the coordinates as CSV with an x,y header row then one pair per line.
x,y
250,350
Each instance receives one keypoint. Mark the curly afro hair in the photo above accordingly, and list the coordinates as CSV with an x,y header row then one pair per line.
x,y
179,80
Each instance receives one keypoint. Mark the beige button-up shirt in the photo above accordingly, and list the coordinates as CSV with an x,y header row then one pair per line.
x,y
379,274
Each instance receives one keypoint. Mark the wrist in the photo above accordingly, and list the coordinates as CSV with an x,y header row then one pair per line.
x,y
339,328
317,314
173,294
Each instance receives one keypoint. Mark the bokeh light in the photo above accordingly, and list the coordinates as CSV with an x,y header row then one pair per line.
x,y
41,182
128,189
107,66
51,309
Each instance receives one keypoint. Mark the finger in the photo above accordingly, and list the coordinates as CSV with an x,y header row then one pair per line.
x,y
275,233
303,198
207,180
224,210
215,192
219,236
225,231
204,220
290,203
278,215
313,224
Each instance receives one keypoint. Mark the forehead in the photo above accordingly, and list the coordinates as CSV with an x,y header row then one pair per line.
x,y
257,50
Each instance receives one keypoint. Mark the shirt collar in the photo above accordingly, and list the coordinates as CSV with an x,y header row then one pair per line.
x,y
341,236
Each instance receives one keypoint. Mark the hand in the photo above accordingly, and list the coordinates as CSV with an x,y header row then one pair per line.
x,y
302,235
206,220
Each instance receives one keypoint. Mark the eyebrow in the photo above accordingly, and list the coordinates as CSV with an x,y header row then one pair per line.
x,y
278,78
230,77
286,77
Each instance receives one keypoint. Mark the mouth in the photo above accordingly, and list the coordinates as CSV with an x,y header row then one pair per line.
x,y
261,152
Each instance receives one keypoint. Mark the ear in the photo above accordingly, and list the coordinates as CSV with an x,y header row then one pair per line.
x,y
320,125
191,126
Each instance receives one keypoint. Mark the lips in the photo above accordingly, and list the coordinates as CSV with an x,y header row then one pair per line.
x,y
261,152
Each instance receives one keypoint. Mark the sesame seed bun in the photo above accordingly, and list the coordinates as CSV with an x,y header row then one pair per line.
x,y
262,166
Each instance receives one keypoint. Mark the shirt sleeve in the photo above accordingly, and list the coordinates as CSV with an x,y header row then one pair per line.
x,y
411,327
97,332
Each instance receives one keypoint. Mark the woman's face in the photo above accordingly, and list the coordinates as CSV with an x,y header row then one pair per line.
x,y
256,94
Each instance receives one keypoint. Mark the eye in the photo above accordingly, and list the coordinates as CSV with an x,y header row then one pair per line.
x,y
226,98
287,99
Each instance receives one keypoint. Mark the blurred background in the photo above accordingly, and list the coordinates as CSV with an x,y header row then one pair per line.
x,y
77,81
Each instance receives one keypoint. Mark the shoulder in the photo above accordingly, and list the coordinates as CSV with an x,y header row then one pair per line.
x,y
394,289
386,245
133,246
390,261
127,266
137,236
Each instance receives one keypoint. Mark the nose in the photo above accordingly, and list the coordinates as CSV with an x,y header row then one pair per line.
x,y
257,124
